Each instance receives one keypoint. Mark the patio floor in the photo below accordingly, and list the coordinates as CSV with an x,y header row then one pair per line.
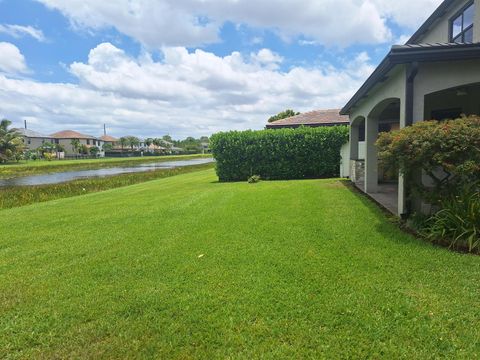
x,y
387,195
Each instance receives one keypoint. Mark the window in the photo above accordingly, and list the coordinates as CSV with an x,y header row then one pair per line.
x,y
462,26
88,142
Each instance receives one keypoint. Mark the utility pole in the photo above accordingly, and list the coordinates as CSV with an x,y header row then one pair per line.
x,y
104,129
25,122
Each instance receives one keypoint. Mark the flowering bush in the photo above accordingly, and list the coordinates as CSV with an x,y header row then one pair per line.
x,y
447,151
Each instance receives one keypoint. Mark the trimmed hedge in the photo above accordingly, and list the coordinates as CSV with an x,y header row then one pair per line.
x,y
282,154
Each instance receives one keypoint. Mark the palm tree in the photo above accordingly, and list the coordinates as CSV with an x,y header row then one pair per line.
x,y
148,141
123,142
75,145
133,141
11,142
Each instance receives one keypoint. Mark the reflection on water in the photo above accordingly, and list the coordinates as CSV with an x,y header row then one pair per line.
x,y
60,177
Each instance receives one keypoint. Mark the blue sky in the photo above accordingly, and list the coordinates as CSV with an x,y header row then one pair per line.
x,y
187,67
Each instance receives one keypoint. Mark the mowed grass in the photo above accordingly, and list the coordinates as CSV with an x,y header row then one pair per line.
x,y
24,168
189,268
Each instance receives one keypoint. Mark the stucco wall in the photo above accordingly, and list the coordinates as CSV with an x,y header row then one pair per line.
x,y
394,87
433,77
67,143
35,143
439,33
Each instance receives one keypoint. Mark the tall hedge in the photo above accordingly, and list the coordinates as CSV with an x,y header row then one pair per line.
x,y
279,154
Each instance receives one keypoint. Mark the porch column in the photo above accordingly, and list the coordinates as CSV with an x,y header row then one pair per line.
x,y
371,155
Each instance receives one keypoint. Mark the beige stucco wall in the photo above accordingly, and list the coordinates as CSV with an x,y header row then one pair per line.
x,y
345,161
35,143
439,76
67,143
394,87
439,33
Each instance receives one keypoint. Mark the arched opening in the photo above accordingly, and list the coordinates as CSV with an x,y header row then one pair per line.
x,y
451,103
379,182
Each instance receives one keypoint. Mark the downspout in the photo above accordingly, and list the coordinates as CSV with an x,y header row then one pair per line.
x,y
412,71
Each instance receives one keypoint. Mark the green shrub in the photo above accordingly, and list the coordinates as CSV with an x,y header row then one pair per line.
x,y
279,154
447,151
49,156
458,222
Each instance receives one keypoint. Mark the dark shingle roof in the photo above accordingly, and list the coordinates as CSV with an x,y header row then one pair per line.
x,y
312,118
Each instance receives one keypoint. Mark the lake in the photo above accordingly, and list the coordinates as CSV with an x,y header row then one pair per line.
x,y
59,177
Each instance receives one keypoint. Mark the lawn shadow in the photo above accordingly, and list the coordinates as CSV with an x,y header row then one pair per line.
x,y
388,222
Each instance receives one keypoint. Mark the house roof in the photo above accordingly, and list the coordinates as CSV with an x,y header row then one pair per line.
x,y
31,134
312,118
437,14
70,134
413,53
108,138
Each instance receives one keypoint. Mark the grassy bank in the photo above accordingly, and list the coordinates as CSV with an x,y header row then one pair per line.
x,y
189,268
42,166
25,195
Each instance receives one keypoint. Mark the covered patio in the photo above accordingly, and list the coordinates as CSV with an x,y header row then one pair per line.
x,y
386,195
367,174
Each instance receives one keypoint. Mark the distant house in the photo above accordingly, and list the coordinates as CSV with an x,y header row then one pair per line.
x,y
34,140
319,118
65,138
205,147
107,139
315,118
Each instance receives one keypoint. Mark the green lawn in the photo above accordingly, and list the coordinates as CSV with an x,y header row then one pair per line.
x,y
41,166
185,267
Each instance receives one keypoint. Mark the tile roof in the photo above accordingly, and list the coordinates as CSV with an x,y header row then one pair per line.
x,y
31,134
312,118
70,134
108,138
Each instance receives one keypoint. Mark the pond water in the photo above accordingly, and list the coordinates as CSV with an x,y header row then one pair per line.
x,y
59,177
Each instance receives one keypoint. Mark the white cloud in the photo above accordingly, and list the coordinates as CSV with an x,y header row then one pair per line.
x,y
11,60
265,57
187,93
158,23
407,13
18,31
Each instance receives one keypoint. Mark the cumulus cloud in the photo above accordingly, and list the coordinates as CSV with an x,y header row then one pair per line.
x,y
18,31
407,13
187,93
11,61
158,23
